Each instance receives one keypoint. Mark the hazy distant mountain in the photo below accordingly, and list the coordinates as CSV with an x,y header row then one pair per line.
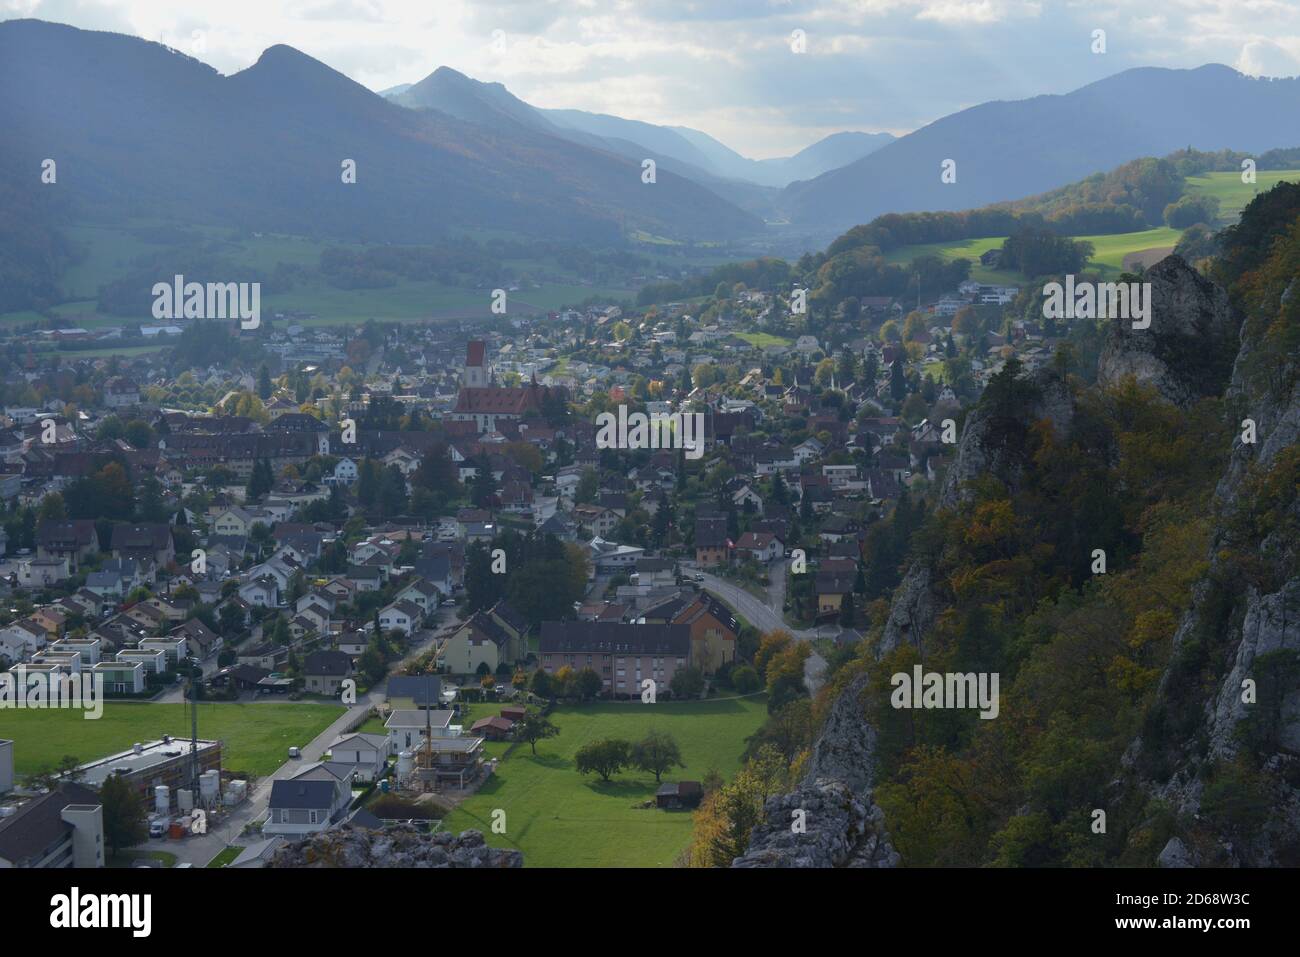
x,y
833,151
659,139
493,106
139,129
1006,150
471,100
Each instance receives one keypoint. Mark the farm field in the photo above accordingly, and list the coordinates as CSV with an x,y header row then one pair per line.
x,y
1109,251
560,818
1233,194
257,736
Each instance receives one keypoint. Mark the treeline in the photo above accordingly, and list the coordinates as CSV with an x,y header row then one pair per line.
x,y
864,272
454,263
1126,199
1135,196
132,294
764,273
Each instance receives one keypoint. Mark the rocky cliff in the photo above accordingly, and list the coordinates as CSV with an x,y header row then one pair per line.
x,y
1186,353
1241,637
399,846
980,453
839,825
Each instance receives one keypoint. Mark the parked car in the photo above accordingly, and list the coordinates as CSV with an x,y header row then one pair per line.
x,y
295,752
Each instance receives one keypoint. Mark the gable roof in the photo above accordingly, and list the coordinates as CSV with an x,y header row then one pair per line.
x,y
305,795
421,689
327,663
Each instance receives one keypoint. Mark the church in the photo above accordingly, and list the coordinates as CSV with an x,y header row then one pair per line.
x,y
485,403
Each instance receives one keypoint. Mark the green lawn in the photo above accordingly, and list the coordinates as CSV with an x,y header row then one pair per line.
x,y
761,340
226,856
560,818
257,736
1233,194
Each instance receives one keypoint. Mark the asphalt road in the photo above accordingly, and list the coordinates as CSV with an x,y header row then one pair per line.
x,y
767,616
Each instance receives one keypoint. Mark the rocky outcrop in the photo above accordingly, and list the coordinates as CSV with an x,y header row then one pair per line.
x,y
829,820
912,611
916,603
1244,626
1187,351
980,454
402,845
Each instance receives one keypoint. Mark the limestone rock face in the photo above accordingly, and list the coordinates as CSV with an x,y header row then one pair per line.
x,y
403,845
1271,625
1187,351
1258,624
912,610
978,454
838,824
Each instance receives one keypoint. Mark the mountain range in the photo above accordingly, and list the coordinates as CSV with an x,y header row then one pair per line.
x,y
138,129
1011,149
141,130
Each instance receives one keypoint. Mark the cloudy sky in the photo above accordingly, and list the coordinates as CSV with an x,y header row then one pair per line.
x,y
727,67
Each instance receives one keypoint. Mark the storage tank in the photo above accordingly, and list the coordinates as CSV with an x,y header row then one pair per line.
x,y
185,799
209,786
162,800
405,765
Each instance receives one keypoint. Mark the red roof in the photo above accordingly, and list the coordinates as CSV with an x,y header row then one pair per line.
x,y
474,352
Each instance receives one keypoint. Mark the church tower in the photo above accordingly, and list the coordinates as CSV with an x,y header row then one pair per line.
x,y
477,374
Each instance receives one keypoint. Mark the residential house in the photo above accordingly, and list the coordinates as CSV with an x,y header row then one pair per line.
x,y
325,671
367,753
486,641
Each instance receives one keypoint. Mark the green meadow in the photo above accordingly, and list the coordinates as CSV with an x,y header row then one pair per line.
x,y
1233,195
256,735
1109,251
560,818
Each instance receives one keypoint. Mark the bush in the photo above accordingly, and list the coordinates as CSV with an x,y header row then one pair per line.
x,y
745,679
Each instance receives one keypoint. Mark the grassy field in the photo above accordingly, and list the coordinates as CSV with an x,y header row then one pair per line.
x,y
760,340
970,249
1108,252
560,818
257,736
1233,194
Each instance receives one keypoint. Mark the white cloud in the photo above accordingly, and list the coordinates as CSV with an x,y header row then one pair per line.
x,y
1265,58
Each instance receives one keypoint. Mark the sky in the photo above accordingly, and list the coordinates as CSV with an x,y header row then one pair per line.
x,y
728,67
